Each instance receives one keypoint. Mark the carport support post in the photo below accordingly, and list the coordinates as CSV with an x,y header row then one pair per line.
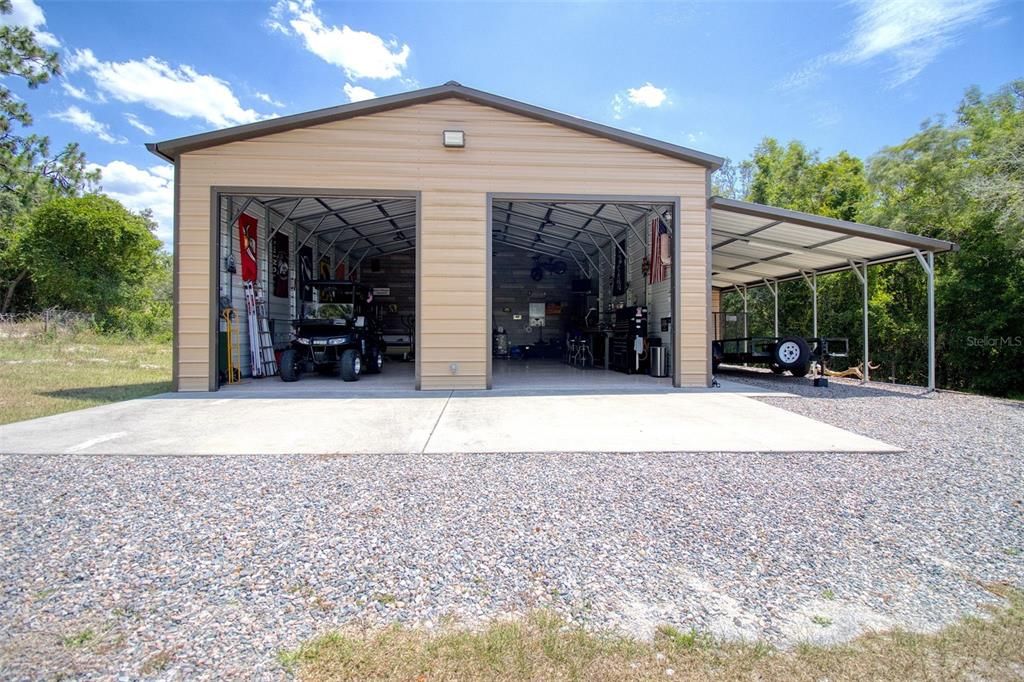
x,y
931,321
812,282
863,277
743,294
929,269
775,294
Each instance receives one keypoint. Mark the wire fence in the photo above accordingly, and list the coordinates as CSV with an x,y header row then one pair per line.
x,y
49,322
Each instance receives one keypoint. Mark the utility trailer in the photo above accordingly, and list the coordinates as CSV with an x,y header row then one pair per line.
x,y
797,355
793,354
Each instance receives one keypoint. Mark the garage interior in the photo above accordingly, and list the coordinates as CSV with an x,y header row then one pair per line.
x,y
581,294
303,239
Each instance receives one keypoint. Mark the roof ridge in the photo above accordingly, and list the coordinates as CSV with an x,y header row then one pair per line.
x,y
171,149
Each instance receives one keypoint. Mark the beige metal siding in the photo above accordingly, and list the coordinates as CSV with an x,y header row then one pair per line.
x,y
400,150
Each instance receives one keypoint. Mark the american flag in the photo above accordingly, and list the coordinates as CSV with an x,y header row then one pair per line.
x,y
658,270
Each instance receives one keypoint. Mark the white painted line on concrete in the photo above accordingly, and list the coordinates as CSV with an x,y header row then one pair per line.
x,y
86,444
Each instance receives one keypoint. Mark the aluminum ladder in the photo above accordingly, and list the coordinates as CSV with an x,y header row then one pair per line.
x,y
261,343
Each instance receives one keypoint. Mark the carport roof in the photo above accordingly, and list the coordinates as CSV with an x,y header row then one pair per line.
x,y
170,149
752,243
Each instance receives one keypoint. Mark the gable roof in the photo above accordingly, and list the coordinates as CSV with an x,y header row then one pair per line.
x,y
171,149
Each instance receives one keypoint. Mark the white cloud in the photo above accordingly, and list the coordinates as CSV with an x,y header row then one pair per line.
x,y
264,97
28,13
647,95
134,122
360,54
908,34
696,137
356,93
84,121
77,93
142,188
181,92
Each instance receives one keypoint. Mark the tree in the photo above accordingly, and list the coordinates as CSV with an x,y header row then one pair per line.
x,y
996,133
89,253
791,176
731,180
955,181
29,175
962,181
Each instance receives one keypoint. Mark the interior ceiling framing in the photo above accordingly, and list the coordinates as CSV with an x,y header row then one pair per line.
x,y
751,244
360,226
578,231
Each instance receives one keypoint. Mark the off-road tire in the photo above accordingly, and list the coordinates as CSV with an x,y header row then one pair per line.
x,y
351,366
291,367
717,353
376,362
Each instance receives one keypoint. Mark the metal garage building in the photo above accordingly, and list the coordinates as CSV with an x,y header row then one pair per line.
x,y
345,188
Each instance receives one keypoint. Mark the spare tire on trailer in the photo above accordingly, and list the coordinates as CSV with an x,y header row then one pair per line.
x,y
794,354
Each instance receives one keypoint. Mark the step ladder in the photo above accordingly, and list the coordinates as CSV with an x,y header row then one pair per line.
x,y
261,343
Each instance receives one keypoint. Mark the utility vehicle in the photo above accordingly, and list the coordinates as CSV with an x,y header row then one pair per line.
x,y
337,333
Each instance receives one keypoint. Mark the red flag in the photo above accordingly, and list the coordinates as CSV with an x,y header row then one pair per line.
x,y
247,246
657,263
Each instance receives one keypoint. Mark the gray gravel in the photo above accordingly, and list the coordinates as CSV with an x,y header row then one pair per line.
x,y
184,567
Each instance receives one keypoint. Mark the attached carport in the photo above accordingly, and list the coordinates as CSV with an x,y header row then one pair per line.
x,y
754,245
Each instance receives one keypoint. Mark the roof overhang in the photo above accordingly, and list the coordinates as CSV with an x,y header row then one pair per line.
x,y
752,243
171,149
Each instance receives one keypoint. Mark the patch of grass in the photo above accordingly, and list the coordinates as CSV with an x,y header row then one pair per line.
x,y
156,663
79,639
683,640
384,598
40,376
315,599
823,621
828,594
542,646
44,593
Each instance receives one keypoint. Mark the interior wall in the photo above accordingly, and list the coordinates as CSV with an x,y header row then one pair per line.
x,y
513,288
397,273
639,291
280,311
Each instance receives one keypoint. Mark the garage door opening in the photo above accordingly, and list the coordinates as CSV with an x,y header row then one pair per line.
x,y
317,292
582,294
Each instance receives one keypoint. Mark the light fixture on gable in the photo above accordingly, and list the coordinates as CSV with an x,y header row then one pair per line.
x,y
454,138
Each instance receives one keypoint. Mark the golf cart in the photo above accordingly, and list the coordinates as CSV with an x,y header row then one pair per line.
x,y
336,333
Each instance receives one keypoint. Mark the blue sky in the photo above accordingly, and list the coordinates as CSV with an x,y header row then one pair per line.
x,y
714,76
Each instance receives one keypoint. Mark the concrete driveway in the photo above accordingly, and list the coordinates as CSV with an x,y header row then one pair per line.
x,y
712,420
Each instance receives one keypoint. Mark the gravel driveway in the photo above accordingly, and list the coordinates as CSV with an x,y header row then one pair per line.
x,y
208,566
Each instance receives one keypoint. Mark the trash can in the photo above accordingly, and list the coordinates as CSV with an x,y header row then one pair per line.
x,y
659,361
